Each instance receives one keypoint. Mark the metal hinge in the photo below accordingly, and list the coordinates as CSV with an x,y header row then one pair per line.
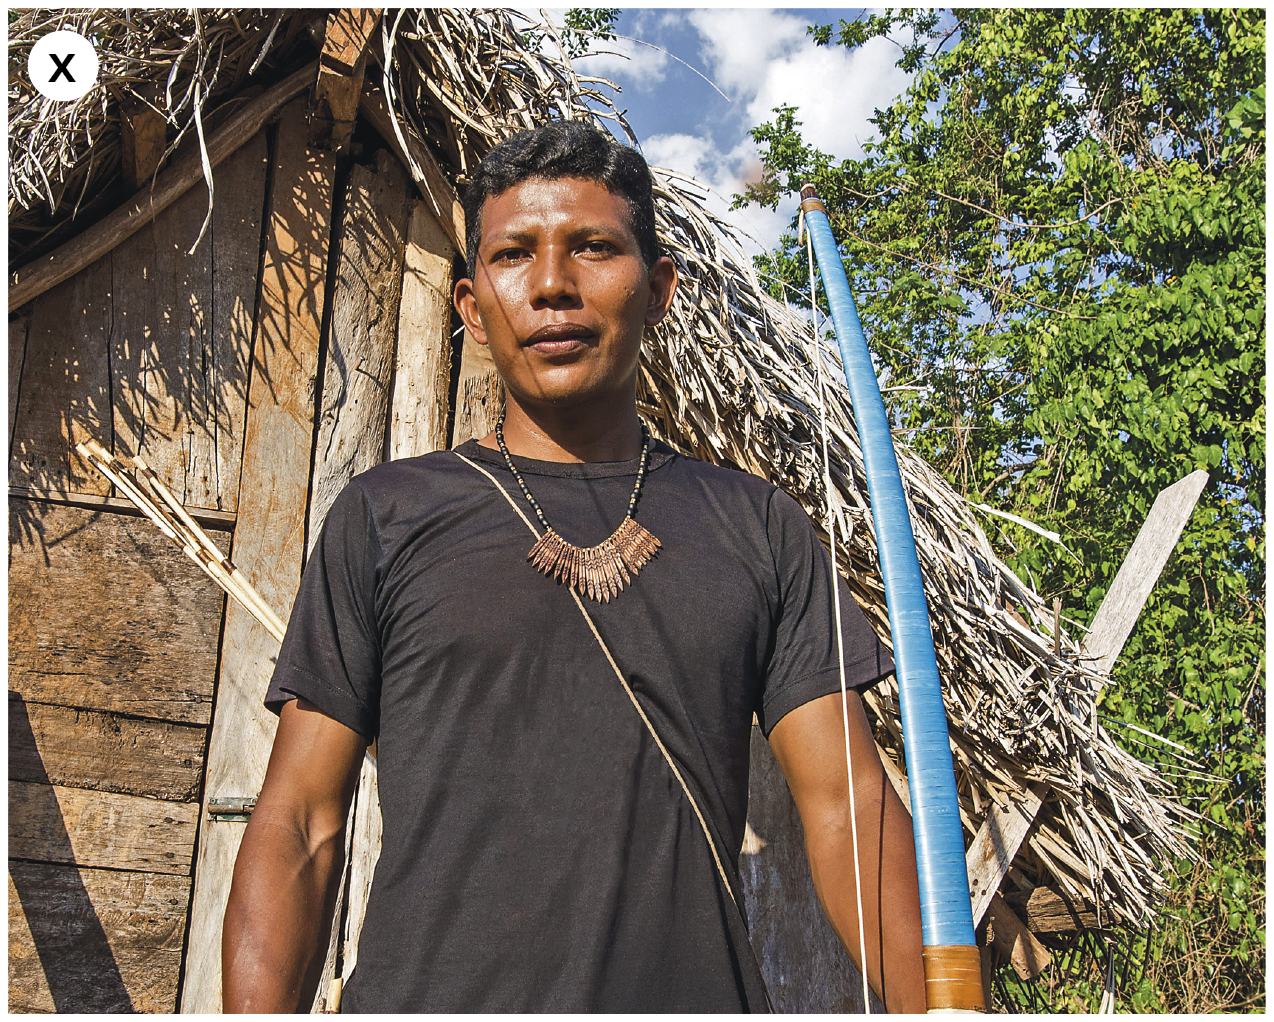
x,y
231,810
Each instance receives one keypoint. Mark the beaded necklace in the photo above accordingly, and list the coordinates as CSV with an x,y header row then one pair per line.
x,y
598,572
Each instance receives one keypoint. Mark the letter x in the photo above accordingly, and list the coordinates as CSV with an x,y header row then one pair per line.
x,y
62,68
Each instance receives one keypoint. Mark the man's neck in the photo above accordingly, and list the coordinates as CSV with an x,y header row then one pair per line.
x,y
574,436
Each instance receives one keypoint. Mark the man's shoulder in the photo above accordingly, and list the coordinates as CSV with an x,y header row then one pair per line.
x,y
730,484
416,484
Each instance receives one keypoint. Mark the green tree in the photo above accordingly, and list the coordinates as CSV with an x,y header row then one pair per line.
x,y
1057,240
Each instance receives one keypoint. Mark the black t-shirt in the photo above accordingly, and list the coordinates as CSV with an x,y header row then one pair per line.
x,y
538,853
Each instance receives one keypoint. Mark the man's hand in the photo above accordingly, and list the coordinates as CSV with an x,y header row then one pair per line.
x,y
809,744
279,915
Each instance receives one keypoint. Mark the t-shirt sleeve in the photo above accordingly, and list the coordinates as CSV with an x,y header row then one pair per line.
x,y
331,652
803,665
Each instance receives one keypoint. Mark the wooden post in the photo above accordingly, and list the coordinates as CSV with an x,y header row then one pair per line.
x,y
992,851
269,541
340,77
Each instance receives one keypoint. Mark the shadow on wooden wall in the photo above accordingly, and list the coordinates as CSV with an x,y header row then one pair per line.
x,y
55,908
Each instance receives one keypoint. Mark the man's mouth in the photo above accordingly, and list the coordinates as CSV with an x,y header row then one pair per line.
x,y
559,339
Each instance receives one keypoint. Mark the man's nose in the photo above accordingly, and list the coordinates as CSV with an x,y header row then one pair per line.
x,y
553,283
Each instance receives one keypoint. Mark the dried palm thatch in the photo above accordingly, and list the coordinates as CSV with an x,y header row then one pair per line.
x,y
730,376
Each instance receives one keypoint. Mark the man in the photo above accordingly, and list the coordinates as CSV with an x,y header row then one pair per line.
x,y
563,766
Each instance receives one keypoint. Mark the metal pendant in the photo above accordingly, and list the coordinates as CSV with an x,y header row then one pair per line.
x,y
598,572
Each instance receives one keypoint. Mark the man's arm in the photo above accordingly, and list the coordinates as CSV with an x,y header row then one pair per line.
x,y
279,916
809,743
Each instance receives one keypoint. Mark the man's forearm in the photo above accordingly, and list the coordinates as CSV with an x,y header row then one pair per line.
x,y
890,892
278,918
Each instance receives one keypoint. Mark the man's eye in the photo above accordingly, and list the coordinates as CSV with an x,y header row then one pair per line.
x,y
509,255
597,247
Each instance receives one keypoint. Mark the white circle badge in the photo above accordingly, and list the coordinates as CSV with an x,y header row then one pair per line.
x,y
62,65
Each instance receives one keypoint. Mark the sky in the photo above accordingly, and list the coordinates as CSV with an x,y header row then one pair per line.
x,y
755,60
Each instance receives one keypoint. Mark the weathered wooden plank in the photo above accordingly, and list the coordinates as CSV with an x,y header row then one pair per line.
x,y
105,752
805,967
270,534
50,823
364,854
479,395
997,841
1014,942
1048,910
90,940
106,614
422,363
237,221
19,327
992,851
85,249
1114,620
360,347
178,383
433,184
65,387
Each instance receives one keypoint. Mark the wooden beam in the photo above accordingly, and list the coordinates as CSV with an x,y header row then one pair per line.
x,y
334,107
85,249
1013,941
1114,620
269,542
997,841
433,184
143,135
349,30
479,394
1048,910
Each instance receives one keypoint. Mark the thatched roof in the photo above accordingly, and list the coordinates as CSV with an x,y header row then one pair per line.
x,y
729,376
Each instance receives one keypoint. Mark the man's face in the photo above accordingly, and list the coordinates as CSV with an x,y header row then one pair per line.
x,y
560,294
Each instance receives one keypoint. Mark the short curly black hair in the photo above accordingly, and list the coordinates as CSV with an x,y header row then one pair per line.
x,y
564,149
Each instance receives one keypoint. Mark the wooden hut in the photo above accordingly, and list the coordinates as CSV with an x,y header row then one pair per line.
x,y
235,257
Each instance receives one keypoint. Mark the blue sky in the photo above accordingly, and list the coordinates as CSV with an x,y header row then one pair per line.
x,y
758,58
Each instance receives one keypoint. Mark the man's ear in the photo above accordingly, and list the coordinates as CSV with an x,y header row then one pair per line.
x,y
663,285
466,304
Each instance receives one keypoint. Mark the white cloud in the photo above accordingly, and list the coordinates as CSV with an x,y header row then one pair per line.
x,y
638,66
764,58
725,174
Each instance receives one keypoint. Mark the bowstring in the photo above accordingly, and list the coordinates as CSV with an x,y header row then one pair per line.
x,y
840,632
